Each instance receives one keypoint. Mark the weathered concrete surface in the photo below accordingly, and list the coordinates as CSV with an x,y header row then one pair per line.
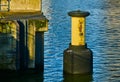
x,y
21,5
25,5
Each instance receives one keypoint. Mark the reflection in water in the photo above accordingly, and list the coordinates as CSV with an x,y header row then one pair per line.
x,y
21,77
77,78
105,43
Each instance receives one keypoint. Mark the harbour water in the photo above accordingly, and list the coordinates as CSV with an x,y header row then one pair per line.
x,y
102,37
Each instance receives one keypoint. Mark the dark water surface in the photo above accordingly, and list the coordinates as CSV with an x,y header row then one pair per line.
x,y
103,38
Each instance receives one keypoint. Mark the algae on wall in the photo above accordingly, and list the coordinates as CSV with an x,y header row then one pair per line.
x,y
8,45
25,5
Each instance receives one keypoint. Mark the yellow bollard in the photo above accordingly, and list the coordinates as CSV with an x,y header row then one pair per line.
x,y
77,58
78,31
78,27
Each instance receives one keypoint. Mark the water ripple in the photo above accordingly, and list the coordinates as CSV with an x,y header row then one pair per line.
x,y
103,37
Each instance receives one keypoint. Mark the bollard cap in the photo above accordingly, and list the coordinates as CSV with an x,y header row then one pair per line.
x,y
78,13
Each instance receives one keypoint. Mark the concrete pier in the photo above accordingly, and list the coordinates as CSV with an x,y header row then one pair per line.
x,y
20,5
22,26
39,51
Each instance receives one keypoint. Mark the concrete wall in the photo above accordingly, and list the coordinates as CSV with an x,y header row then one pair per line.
x,y
25,5
3,8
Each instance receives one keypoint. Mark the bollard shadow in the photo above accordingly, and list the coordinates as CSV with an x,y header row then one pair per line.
x,y
77,78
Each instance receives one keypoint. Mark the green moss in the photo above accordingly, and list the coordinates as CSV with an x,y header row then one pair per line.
x,y
38,23
5,27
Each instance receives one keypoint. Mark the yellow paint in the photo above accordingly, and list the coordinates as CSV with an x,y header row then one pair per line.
x,y
78,31
4,4
31,42
22,5
31,45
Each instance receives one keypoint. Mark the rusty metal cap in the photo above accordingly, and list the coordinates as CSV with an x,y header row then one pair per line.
x,y
78,13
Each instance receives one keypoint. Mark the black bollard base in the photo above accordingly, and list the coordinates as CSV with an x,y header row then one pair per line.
x,y
78,60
